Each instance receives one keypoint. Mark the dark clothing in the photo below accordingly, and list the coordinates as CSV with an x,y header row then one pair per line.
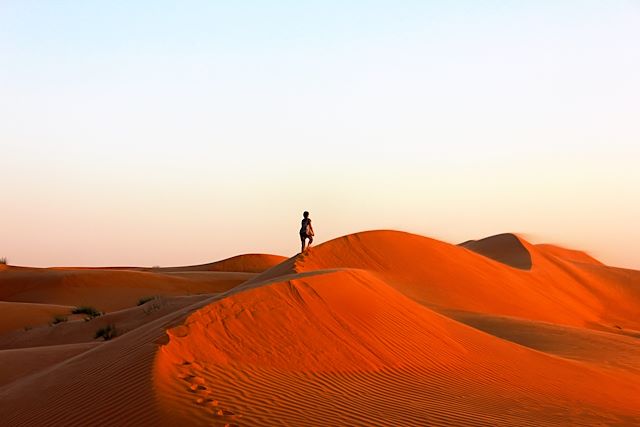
x,y
306,232
306,222
305,236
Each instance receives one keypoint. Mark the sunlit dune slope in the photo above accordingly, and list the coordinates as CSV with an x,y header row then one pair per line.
x,y
248,263
440,274
345,348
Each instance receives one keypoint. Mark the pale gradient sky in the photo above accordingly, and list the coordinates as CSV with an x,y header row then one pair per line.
x,y
169,133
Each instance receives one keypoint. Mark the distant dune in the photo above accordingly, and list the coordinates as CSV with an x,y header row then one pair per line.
x,y
505,248
373,328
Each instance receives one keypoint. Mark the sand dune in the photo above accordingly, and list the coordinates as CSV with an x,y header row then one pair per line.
x,y
107,290
18,315
606,349
356,351
17,364
110,384
505,248
442,275
568,254
248,263
375,328
79,330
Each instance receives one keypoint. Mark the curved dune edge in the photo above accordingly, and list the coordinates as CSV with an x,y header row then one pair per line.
x,y
439,274
344,335
345,348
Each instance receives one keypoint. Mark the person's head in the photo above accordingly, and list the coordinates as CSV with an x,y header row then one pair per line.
x,y
305,214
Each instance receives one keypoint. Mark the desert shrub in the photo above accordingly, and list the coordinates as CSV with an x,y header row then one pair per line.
x,y
155,267
89,311
154,304
107,332
3,260
59,319
145,300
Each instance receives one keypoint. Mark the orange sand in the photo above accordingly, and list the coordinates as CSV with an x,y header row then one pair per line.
x,y
375,328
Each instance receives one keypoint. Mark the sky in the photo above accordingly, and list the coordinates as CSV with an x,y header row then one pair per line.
x,y
173,133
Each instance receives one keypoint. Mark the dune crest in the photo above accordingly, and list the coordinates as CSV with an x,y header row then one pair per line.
x,y
247,263
568,254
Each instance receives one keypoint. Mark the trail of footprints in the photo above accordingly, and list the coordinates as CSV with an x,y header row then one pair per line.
x,y
203,396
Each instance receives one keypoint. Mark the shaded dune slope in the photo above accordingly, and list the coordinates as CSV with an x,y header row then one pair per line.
x,y
442,275
18,315
505,248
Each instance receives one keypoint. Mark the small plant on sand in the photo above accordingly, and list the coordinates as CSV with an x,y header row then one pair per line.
x,y
107,332
59,319
3,260
154,304
89,311
145,300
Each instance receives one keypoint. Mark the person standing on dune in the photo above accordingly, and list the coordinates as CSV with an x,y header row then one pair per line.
x,y
306,231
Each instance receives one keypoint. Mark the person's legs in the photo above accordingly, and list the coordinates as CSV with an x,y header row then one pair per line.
x,y
310,241
302,237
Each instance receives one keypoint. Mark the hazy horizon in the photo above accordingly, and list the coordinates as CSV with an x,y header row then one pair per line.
x,y
165,133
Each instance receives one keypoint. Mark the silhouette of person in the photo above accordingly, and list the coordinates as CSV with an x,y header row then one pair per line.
x,y
306,231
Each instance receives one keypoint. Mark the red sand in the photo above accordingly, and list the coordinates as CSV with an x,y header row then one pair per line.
x,y
376,328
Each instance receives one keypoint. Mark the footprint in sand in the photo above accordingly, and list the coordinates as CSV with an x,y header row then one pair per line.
x,y
196,387
196,384
179,331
